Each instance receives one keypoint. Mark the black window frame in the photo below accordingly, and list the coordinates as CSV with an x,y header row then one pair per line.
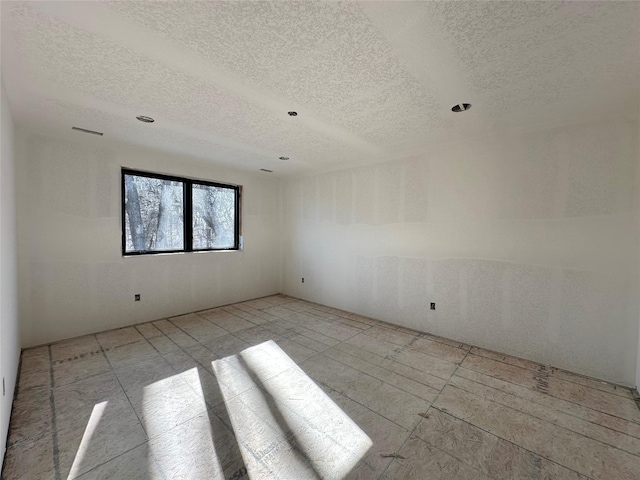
x,y
187,201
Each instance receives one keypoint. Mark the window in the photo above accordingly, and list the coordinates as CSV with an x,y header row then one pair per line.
x,y
163,213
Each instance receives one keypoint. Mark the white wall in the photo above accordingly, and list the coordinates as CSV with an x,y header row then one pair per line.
x,y
638,251
9,336
73,278
525,241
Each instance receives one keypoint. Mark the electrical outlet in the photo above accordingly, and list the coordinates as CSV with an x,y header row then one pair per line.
x,y
137,297
433,306
302,279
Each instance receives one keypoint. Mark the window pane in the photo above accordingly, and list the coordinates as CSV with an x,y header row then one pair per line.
x,y
214,217
153,214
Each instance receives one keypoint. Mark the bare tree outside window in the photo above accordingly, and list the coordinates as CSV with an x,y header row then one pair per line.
x,y
213,217
156,217
154,214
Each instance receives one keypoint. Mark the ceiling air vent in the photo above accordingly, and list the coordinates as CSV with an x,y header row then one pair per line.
x,y
84,130
461,107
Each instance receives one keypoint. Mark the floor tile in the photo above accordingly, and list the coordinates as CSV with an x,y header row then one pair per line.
x,y
625,408
316,340
204,384
138,378
329,329
291,429
392,403
30,461
134,352
599,418
295,350
279,311
228,345
576,452
198,327
603,434
42,351
399,381
31,418
111,430
562,374
163,344
75,348
423,461
386,436
35,371
278,387
258,304
136,464
200,448
71,370
148,330
265,317
231,323
166,406
298,306
119,337
74,403
434,366
236,312
420,375
256,335
179,337
493,456
276,299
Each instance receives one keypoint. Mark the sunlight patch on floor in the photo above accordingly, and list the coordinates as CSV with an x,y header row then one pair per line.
x,y
92,425
286,426
179,426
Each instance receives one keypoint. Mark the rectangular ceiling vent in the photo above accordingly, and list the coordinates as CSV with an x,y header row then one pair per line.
x,y
84,130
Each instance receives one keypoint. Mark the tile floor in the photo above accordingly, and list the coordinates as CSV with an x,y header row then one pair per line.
x,y
187,398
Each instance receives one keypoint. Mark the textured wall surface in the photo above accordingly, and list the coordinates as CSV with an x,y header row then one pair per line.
x,y
73,278
526,242
9,336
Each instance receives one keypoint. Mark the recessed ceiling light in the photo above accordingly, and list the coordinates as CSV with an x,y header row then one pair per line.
x,y
265,170
84,130
292,114
283,158
145,119
461,107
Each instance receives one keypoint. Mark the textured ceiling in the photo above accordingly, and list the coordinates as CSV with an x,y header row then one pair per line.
x,y
371,81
